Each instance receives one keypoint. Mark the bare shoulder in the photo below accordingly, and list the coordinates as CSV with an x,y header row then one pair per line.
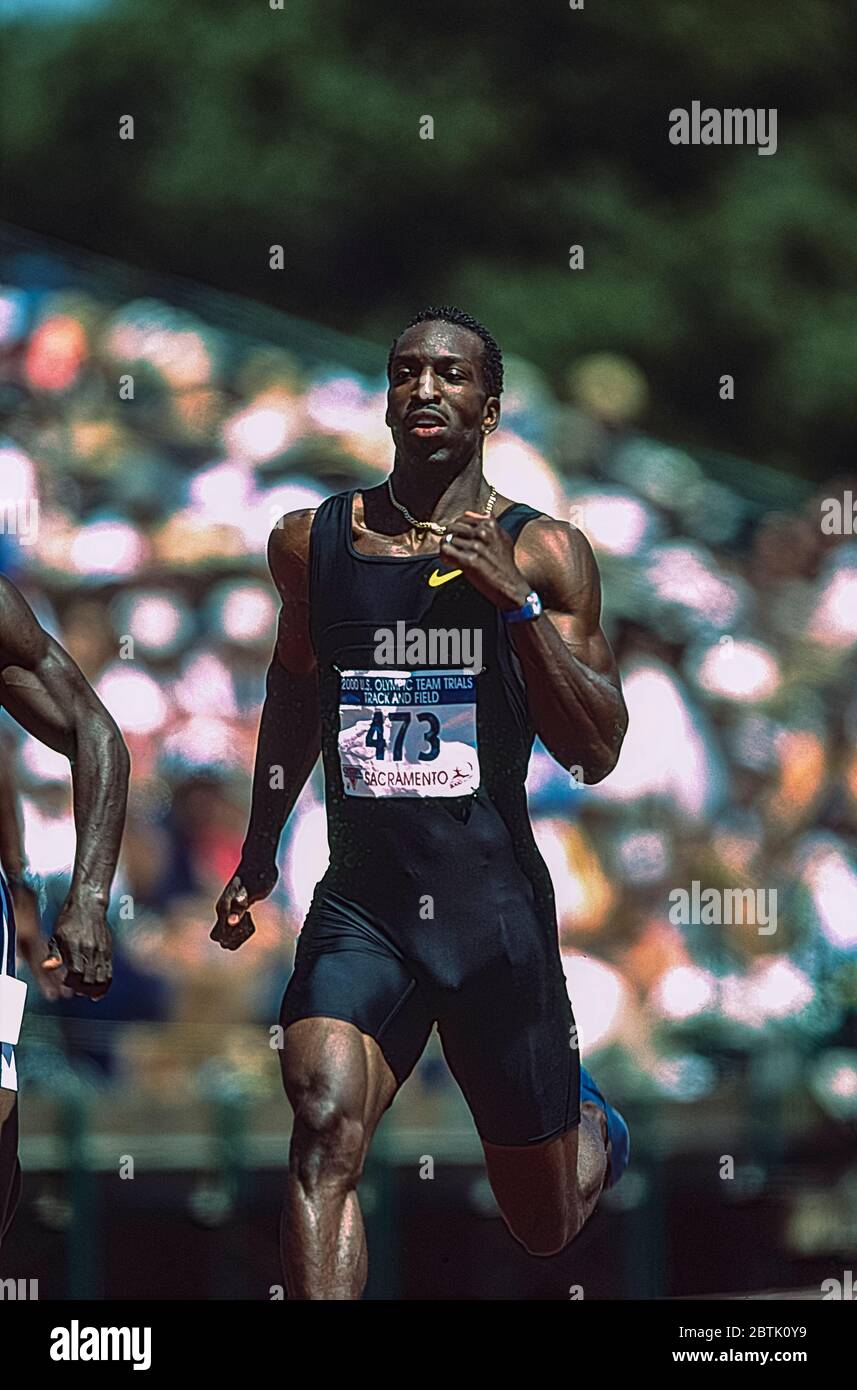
x,y
288,548
556,555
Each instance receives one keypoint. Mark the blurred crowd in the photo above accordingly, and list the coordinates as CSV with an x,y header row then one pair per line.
x,y
145,454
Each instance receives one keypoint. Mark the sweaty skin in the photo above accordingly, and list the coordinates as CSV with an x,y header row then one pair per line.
x,y
336,1077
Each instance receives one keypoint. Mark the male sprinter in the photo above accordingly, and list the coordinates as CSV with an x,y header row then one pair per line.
x,y
42,688
437,905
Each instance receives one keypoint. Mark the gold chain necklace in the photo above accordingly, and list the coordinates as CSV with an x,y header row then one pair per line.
x,y
437,528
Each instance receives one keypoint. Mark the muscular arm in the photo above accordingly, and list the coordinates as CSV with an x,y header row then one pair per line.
x,y
289,732
12,858
43,689
573,686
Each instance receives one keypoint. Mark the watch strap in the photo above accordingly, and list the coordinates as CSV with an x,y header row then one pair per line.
x,y
529,609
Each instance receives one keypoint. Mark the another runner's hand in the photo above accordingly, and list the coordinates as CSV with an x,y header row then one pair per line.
x,y
234,924
81,943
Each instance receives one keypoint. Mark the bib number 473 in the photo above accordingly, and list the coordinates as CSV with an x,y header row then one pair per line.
x,y
376,734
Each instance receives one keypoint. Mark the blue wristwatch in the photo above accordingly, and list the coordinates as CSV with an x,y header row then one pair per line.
x,y
530,608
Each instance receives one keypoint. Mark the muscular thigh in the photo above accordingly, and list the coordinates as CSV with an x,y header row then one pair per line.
x,y
327,1063
349,975
511,1044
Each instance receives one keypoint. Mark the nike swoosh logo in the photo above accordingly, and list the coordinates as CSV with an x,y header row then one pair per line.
x,y
436,579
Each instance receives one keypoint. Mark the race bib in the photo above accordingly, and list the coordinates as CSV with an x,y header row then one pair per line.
x,y
408,733
12,995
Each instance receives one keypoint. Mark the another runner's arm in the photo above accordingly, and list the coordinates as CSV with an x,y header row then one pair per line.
x,y
573,688
290,729
12,858
43,689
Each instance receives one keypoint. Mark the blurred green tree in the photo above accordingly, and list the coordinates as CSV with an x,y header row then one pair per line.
x,y
300,126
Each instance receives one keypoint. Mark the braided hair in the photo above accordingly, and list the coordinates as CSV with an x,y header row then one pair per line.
x,y
492,357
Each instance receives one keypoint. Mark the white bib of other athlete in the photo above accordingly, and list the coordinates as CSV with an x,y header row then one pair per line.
x,y
12,995
408,733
